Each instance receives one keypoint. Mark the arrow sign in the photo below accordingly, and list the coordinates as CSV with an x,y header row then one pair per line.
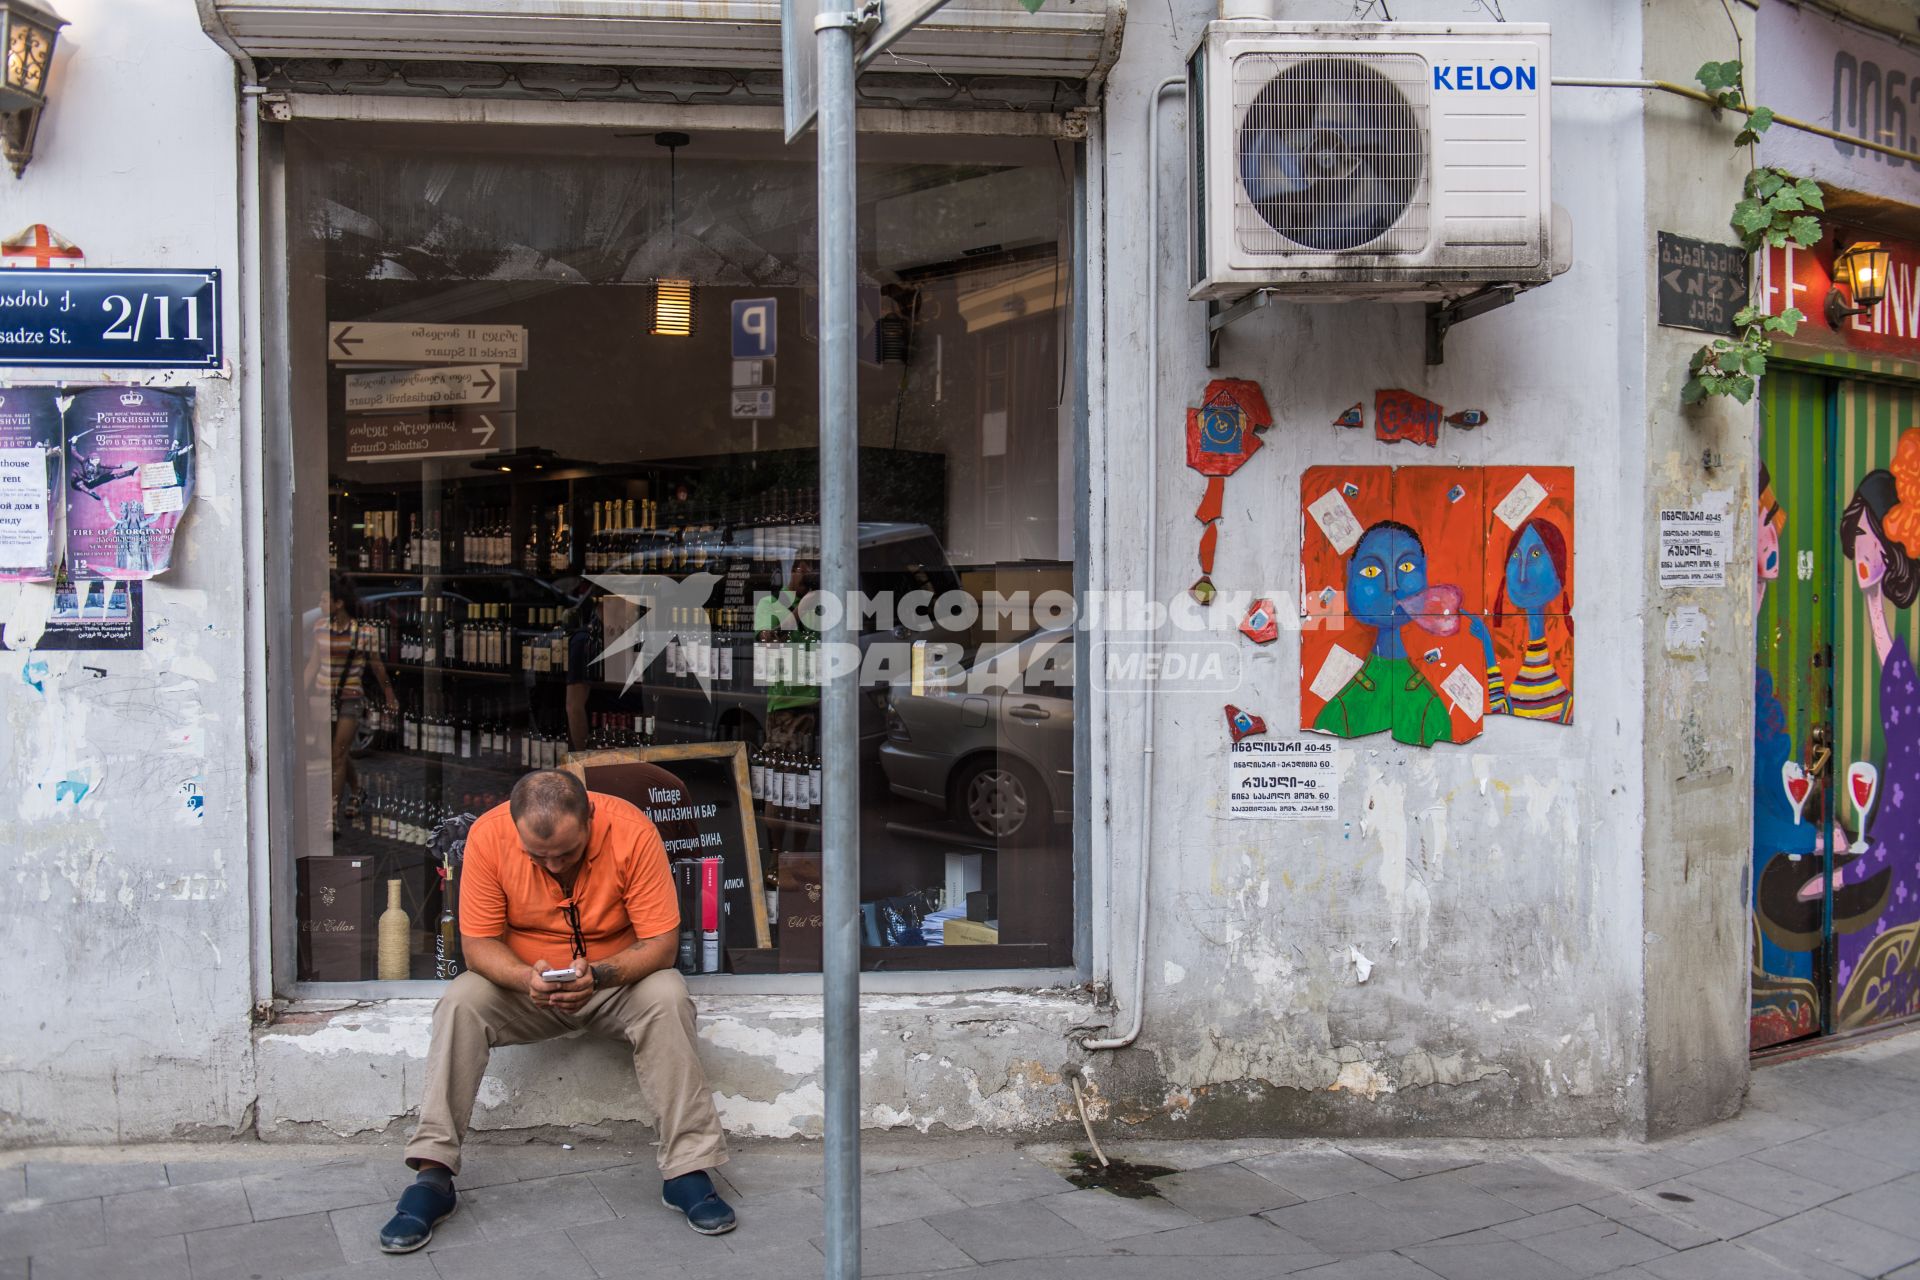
x,y
404,390
445,432
430,344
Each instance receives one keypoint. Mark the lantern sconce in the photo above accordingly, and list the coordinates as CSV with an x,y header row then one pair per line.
x,y
29,33
1862,268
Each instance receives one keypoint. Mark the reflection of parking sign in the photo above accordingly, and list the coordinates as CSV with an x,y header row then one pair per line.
x,y
755,335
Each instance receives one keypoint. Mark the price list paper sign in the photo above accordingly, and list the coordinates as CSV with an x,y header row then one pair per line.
x,y
1693,547
29,474
123,445
1295,778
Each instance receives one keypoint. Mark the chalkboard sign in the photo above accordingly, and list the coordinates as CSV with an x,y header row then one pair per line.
x,y
700,799
1701,283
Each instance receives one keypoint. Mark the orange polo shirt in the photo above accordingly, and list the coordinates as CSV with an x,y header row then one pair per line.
x,y
623,887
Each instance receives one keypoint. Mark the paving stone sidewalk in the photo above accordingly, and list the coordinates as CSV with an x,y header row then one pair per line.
x,y
1819,1177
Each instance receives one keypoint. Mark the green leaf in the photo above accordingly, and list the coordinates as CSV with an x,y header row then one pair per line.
x,y
1766,182
1700,358
1786,200
1745,316
1694,392
1777,237
1757,363
1810,194
1748,216
1804,230
1790,319
1743,389
1712,76
1761,120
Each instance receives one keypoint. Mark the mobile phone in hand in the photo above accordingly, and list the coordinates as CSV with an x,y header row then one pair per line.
x,y
559,975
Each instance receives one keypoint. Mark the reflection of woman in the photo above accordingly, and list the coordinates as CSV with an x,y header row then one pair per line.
x,y
1530,656
1879,534
344,649
1386,574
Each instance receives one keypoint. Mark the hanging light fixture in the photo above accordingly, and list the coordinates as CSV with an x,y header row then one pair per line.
x,y
673,307
27,34
672,295
1862,267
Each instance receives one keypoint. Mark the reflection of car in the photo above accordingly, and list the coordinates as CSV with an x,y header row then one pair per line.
x,y
991,743
896,561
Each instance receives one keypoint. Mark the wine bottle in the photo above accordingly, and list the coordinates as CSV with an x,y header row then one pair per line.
x,y
393,932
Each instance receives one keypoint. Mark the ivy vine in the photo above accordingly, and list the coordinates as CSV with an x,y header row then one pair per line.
x,y
1775,209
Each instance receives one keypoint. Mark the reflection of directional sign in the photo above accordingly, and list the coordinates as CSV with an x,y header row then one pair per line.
x,y
355,342
433,433
423,388
755,328
753,402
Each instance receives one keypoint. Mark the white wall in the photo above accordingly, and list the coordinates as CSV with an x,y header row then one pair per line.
x,y
1496,885
126,917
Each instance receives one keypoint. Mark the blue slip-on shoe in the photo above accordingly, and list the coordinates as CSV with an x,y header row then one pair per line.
x,y
693,1195
421,1209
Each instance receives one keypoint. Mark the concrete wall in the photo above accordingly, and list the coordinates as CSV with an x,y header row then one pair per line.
x,y
1495,886
125,911
1699,704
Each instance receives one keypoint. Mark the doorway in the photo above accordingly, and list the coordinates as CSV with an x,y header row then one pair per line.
x,y
1836,854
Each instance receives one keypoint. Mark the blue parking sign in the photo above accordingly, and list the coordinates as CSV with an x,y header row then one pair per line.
x,y
755,328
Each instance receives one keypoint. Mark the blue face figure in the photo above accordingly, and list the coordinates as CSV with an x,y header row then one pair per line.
x,y
1387,571
1531,578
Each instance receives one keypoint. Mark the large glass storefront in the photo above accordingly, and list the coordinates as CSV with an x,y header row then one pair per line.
x,y
554,441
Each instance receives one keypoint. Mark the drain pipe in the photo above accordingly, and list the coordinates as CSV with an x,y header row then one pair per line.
x,y
1153,545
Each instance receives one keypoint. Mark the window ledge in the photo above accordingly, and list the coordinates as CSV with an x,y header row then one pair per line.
x,y
307,998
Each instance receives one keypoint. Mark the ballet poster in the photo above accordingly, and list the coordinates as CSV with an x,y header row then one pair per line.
x,y
129,478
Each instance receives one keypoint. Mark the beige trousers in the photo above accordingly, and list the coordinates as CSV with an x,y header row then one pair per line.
x,y
654,1015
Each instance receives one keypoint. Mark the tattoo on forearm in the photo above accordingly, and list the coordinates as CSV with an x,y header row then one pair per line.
x,y
603,975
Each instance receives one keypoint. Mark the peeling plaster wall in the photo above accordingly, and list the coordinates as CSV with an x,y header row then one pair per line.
x,y
987,1059
1699,731
1495,886
124,908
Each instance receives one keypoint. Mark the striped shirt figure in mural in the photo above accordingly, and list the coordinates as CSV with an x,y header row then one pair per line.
x,y
1538,692
1530,655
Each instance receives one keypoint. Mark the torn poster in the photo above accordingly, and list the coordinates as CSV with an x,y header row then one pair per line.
x,y
130,473
29,477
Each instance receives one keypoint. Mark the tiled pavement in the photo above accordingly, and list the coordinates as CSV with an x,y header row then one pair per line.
x,y
1820,1177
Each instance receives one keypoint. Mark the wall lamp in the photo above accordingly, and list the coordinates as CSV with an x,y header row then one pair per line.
x,y
1862,268
29,34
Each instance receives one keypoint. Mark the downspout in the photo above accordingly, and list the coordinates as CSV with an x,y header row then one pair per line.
x,y
1153,545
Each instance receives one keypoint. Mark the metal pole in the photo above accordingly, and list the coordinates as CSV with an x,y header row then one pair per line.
x,y
839,565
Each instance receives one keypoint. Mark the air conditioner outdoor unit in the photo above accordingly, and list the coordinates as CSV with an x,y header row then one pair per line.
x,y
1369,160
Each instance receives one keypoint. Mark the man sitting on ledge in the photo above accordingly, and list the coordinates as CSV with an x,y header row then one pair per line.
x,y
561,878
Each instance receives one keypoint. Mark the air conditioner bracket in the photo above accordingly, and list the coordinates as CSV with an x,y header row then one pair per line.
x,y
1219,316
1442,316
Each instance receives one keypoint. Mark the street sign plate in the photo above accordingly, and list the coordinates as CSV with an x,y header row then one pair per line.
x,y
756,328
70,317
357,342
753,402
407,389
799,64
432,433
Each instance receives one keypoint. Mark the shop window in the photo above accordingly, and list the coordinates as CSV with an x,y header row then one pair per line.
x,y
554,498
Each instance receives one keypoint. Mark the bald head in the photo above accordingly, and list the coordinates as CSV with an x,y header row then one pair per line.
x,y
546,800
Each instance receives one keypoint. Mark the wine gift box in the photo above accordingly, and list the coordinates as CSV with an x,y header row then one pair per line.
x,y
336,918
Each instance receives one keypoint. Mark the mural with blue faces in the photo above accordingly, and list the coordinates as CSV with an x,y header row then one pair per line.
x,y
1435,597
